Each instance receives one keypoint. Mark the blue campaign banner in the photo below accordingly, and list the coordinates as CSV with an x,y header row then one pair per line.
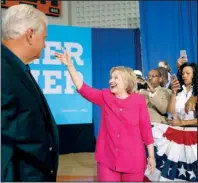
x,y
66,104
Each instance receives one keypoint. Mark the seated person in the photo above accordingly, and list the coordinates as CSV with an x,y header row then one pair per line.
x,y
181,93
164,74
157,97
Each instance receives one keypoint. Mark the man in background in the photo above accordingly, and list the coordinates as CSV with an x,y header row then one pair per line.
x,y
157,97
164,74
29,150
165,65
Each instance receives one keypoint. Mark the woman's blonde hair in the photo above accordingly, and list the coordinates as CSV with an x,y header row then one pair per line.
x,y
128,76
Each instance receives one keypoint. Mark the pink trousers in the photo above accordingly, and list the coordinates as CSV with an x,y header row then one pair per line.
x,y
104,174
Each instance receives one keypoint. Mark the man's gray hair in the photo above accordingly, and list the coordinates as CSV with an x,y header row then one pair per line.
x,y
19,18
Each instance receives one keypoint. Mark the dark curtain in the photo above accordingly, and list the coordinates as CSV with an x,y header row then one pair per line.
x,y
166,28
112,47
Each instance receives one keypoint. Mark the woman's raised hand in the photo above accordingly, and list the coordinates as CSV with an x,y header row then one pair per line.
x,y
64,58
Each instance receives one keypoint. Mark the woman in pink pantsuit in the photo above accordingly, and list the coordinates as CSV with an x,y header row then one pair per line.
x,y
125,126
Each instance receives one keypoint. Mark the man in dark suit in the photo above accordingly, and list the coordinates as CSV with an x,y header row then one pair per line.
x,y
29,150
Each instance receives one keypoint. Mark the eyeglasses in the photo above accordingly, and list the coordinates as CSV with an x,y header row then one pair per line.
x,y
153,76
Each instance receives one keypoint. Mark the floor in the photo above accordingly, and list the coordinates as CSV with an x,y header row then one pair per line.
x,y
77,167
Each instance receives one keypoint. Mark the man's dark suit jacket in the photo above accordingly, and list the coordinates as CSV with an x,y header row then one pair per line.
x,y
29,134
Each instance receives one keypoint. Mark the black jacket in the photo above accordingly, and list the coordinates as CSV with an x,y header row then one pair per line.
x,y
29,134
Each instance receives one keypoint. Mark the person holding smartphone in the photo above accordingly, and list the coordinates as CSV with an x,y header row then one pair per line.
x,y
182,91
157,97
182,59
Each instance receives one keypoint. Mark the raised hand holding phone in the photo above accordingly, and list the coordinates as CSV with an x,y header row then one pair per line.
x,y
173,77
183,55
182,59
175,86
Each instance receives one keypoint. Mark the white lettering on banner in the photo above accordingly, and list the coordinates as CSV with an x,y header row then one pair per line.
x,y
50,77
75,54
69,83
49,82
35,74
36,61
49,57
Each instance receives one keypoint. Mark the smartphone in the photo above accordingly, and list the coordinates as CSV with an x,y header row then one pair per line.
x,y
183,54
173,77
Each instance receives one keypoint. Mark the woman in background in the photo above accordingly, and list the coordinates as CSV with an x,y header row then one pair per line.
x,y
125,126
180,96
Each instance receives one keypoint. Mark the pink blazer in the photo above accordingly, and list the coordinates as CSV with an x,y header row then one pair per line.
x,y
125,128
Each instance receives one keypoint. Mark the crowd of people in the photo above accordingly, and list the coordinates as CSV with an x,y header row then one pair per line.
x,y
30,146
171,98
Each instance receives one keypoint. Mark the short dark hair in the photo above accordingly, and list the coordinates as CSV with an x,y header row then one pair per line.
x,y
163,71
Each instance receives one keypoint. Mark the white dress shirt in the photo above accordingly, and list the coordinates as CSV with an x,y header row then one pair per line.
x,y
181,99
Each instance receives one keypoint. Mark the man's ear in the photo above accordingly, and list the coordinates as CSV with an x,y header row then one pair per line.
x,y
29,35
